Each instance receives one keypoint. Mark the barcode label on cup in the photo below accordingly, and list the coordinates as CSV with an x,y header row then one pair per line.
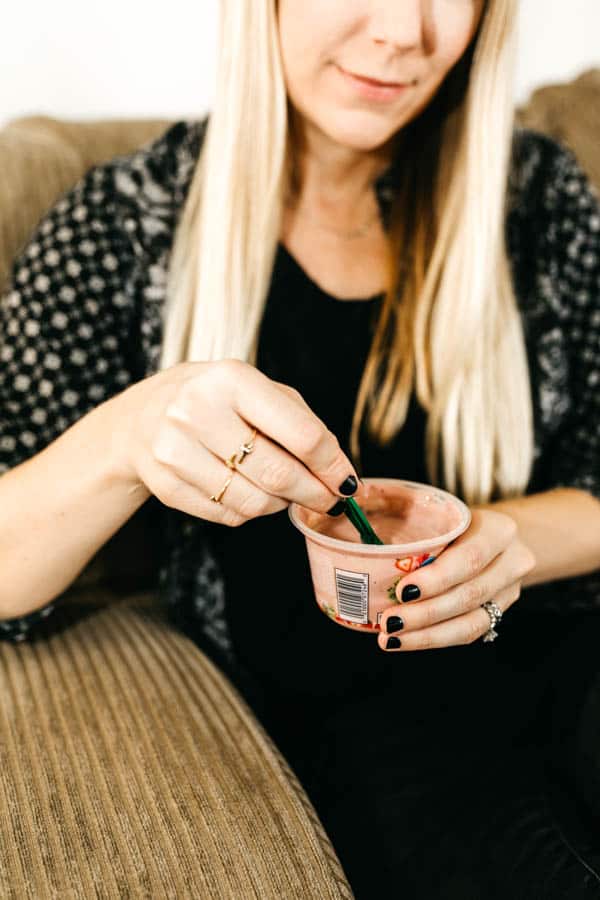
x,y
352,595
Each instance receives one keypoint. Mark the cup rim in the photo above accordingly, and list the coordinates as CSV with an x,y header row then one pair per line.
x,y
388,549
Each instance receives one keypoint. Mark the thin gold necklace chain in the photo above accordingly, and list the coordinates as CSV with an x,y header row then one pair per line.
x,y
346,235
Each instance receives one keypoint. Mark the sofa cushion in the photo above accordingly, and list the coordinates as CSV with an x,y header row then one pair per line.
x,y
130,767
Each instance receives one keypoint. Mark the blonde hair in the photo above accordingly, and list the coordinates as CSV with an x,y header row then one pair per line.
x,y
449,323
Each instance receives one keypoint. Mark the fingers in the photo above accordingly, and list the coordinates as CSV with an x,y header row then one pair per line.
x,y
280,466
464,629
419,614
487,562
185,475
262,483
465,558
267,472
280,415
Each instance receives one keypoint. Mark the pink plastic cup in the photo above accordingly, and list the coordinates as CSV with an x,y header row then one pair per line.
x,y
355,582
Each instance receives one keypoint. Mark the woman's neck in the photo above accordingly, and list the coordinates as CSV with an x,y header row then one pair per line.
x,y
335,183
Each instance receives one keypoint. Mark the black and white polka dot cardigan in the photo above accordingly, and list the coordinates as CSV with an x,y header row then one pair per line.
x,y
80,319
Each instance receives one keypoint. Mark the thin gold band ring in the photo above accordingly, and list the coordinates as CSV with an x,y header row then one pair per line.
x,y
233,463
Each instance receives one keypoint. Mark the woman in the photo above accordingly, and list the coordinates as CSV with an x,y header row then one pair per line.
x,y
357,265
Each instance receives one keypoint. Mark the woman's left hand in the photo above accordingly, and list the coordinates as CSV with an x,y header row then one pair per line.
x,y
487,562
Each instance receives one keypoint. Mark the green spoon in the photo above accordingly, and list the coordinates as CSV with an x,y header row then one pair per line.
x,y
360,522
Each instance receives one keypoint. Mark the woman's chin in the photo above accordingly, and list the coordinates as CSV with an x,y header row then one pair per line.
x,y
358,133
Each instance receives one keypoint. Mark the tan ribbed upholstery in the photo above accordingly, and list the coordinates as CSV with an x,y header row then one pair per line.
x,y
129,766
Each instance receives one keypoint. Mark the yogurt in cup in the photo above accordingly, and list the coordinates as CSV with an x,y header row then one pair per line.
x,y
354,582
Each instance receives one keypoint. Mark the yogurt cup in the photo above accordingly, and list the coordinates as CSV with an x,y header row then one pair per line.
x,y
354,582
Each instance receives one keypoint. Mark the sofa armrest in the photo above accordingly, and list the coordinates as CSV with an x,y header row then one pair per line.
x,y
130,765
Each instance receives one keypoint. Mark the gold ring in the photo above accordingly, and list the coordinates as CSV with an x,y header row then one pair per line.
x,y
232,463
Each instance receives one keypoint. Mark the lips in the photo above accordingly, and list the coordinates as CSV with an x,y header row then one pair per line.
x,y
376,82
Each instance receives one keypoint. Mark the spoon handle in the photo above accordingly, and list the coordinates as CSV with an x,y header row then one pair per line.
x,y
358,518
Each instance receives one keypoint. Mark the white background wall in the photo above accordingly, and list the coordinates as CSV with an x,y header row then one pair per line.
x,y
119,58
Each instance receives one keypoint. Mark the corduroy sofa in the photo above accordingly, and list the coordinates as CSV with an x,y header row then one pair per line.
x,y
130,766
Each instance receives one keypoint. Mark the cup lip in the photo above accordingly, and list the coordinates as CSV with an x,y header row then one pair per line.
x,y
388,549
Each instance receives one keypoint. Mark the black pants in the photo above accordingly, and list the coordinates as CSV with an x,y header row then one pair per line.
x,y
474,772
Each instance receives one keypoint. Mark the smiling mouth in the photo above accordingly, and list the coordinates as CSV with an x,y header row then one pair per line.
x,y
375,81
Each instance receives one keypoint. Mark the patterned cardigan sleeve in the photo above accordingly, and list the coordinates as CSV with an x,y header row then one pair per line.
x,y
572,245
65,328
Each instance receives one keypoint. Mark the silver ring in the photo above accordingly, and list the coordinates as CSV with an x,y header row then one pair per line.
x,y
495,614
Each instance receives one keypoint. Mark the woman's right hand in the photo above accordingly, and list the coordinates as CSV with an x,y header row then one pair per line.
x,y
176,428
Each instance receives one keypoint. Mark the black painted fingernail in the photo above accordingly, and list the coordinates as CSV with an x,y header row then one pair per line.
x,y
394,623
393,643
349,486
410,592
337,509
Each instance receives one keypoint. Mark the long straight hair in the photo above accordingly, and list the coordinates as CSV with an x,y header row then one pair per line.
x,y
449,324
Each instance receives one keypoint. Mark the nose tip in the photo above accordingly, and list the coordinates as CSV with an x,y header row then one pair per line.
x,y
402,27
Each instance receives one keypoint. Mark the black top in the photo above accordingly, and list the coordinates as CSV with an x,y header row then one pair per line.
x,y
81,318
278,630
